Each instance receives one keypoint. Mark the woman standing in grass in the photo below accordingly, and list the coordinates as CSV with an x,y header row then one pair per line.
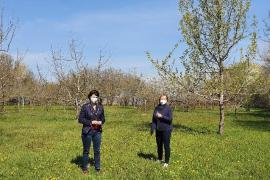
x,y
162,124
92,117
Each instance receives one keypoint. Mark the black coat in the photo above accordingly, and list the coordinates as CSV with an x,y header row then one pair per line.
x,y
88,114
164,123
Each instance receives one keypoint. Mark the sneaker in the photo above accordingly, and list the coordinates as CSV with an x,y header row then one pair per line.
x,y
165,165
159,161
85,172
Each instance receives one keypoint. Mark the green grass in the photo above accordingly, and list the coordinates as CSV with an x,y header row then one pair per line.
x,y
35,144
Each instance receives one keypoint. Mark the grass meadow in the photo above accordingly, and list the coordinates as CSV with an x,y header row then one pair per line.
x,y
39,144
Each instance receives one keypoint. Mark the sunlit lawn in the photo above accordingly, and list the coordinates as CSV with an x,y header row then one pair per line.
x,y
36,144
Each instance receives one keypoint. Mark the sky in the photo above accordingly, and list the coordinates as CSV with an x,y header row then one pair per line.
x,y
123,30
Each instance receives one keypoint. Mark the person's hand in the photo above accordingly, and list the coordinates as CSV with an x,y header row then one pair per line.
x,y
159,115
96,122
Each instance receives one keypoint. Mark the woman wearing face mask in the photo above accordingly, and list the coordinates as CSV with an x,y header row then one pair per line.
x,y
92,117
162,124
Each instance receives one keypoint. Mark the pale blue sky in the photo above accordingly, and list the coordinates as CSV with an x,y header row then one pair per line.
x,y
125,29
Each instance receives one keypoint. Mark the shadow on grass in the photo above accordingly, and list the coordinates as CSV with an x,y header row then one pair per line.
x,y
258,113
189,130
179,127
78,161
261,125
147,156
256,120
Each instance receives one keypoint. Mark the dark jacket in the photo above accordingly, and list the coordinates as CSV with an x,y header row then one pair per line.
x,y
88,114
164,123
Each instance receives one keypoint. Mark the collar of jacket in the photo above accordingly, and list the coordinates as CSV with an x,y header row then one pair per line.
x,y
91,107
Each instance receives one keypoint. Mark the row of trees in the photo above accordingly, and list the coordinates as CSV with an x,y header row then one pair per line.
x,y
211,32
19,85
73,78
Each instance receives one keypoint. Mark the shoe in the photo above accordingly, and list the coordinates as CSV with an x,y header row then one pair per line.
x,y
97,170
165,165
85,172
159,161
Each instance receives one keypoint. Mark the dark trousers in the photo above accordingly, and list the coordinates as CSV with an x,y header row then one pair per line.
x,y
86,140
163,138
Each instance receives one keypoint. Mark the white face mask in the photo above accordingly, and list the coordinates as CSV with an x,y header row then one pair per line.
x,y
162,102
94,99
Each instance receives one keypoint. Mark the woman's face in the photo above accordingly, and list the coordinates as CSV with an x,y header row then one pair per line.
x,y
163,100
94,98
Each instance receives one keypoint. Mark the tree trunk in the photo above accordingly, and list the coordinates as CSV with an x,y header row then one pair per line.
x,y
221,101
46,107
18,104
145,102
221,115
133,102
77,108
235,112
23,101
2,109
